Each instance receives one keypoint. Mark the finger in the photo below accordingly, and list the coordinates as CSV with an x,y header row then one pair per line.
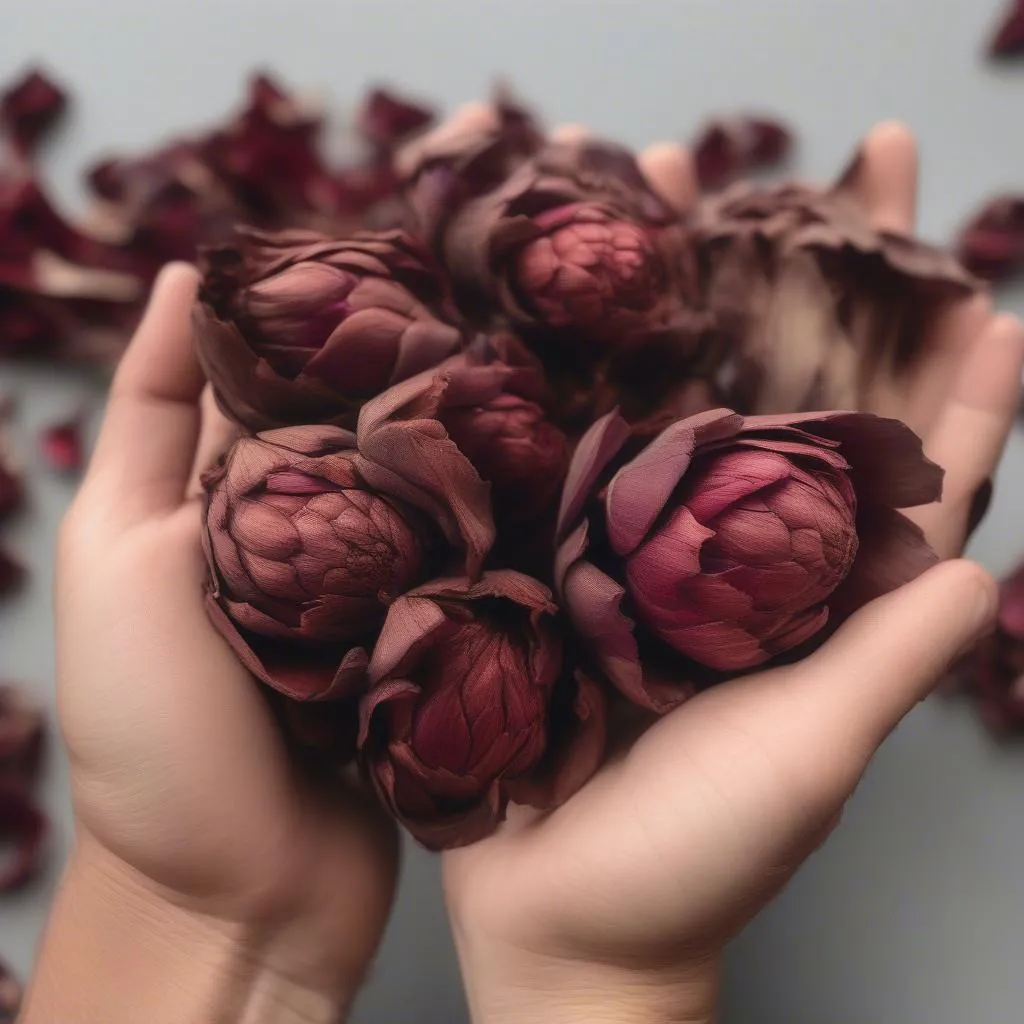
x,y
216,435
669,168
945,347
468,121
884,177
570,134
147,442
971,432
854,691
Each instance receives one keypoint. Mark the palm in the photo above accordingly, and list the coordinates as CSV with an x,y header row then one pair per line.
x,y
176,764
679,841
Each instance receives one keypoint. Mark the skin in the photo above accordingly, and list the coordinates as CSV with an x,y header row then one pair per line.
x,y
210,883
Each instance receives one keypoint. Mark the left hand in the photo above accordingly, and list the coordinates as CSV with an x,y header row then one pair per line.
x,y
185,801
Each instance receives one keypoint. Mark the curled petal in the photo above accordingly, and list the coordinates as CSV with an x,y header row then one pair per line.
x,y
23,826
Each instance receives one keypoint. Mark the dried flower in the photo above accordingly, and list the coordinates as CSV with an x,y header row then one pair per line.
x,y
803,289
733,541
991,243
23,826
29,108
460,719
295,328
305,557
12,490
728,148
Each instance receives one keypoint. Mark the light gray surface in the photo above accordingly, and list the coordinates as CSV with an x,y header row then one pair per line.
x,y
914,911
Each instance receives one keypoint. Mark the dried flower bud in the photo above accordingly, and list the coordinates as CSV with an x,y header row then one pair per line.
x,y
460,717
728,148
29,108
734,540
294,328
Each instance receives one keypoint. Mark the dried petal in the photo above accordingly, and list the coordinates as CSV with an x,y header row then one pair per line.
x,y
806,293
21,735
1009,38
62,445
386,119
30,107
23,827
727,148
12,572
991,243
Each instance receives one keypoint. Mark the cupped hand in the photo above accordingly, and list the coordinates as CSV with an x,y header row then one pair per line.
x,y
617,905
179,777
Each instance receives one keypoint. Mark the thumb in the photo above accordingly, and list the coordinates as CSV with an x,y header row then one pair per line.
x,y
892,653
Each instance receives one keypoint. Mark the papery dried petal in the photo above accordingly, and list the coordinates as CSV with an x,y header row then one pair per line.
x,y
24,827
991,243
1008,40
62,445
728,148
30,107
21,735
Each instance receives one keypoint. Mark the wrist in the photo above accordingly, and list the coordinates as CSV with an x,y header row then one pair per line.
x,y
513,987
119,950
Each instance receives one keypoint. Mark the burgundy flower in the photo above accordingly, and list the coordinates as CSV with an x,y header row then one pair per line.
x,y
733,541
308,542
1009,38
803,288
995,672
471,708
991,243
728,148
21,735
295,327
573,241
24,828
29,108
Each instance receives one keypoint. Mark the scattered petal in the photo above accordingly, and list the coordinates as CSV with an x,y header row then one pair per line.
x,y
23,829
30,107
1009,38
62,445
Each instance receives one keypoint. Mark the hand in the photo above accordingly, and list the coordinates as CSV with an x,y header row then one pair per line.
x,y
182,789
617,906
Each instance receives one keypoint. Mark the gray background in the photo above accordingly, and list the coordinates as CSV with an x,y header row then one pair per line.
x,y
914,911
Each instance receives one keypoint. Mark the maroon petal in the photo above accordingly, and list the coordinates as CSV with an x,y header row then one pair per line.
x,y
30,107
991,243
598,446
386,119
1009,38
892,551
21,735
62,445
638,492
304,673
23,827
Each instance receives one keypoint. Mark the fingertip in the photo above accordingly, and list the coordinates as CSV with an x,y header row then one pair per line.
x,y
669,168
885,176
570,134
